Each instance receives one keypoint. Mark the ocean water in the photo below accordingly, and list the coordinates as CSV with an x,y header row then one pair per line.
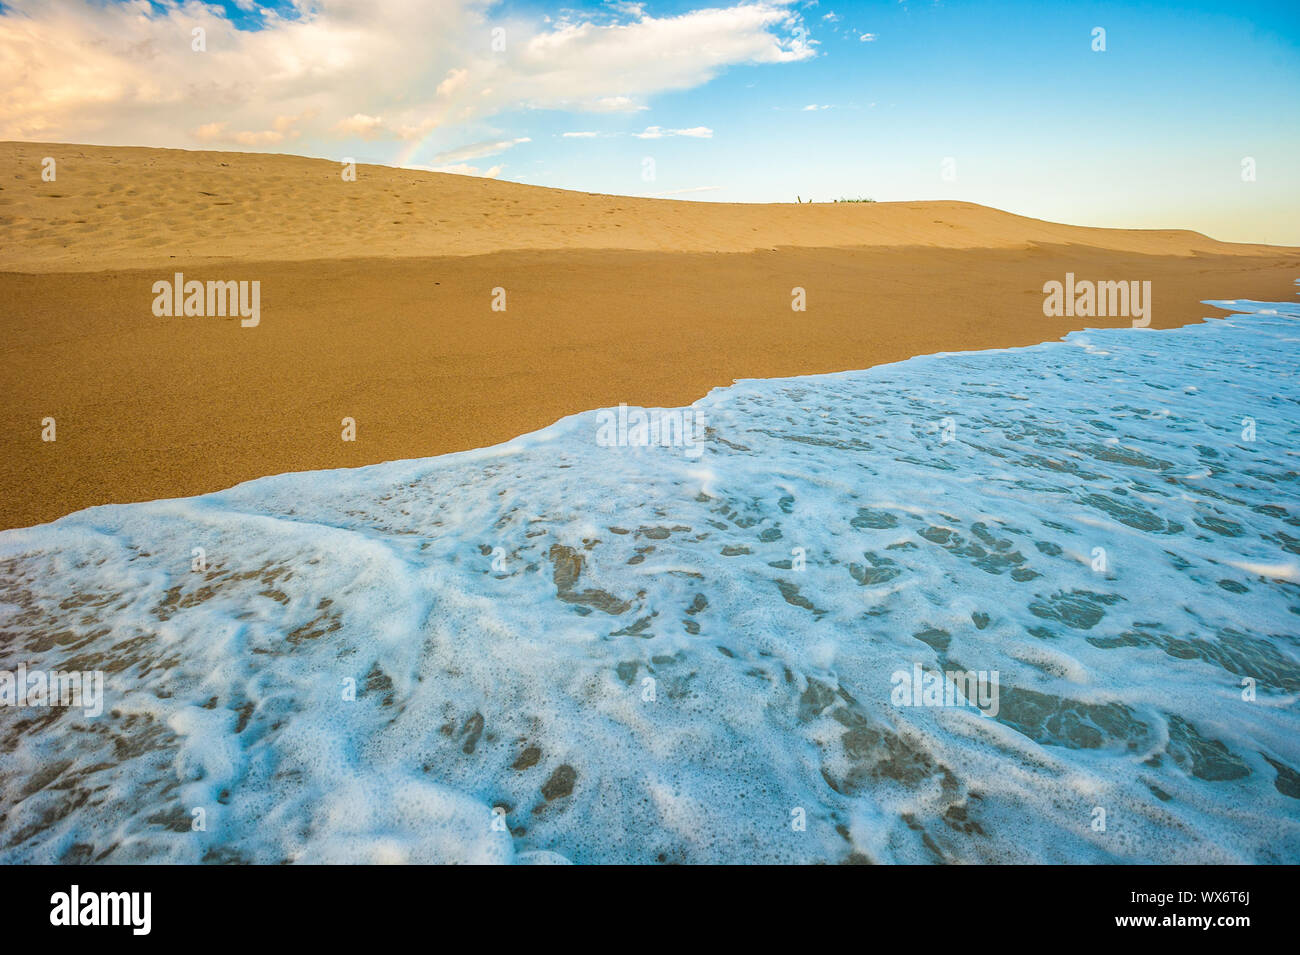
x,y
640,655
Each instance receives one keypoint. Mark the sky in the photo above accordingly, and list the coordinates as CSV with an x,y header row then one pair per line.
x,y
1178,115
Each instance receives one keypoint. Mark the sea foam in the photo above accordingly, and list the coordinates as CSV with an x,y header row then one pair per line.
x,y
566,651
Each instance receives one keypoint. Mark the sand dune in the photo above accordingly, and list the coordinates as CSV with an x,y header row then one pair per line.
x,y
376,305
114,208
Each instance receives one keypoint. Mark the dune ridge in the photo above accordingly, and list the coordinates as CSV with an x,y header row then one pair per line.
x,y
136,207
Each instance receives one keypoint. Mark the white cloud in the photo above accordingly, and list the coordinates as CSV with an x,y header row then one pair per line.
x,y
454,81
477,150
461,169
658,132
868,38
580,135
613,104
813,107
83,70
281,131
360,125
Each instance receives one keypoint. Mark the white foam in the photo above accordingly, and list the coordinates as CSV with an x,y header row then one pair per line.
x,y
649,676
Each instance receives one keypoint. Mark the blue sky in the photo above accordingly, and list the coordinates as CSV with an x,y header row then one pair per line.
x,y
1152,132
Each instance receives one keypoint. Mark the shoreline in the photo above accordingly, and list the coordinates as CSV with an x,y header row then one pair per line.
x,y
121,460
833,551
376,304
520,441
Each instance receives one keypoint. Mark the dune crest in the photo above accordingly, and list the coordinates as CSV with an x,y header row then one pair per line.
x,y
134,207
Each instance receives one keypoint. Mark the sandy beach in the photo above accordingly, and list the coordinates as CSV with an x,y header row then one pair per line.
x,y
376,304
761,433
